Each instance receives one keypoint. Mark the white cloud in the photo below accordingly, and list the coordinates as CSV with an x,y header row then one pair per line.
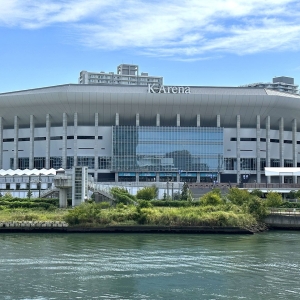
x,y
184,30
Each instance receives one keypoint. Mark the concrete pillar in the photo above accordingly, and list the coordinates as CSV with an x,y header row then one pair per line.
x,y
157,120
116,177
218,121
1,143
157,177
31,145
64,141
281,149
137,120
117,119
295,152
48,126
63,203
137,177
258,133
198,120
16,141
75,138
198,177
178,177
268,159
238,148
96,145
178,120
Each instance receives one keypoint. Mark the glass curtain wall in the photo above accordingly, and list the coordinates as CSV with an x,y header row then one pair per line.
x,y
167,148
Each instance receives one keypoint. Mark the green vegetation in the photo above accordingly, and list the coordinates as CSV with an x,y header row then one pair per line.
x,y
237,208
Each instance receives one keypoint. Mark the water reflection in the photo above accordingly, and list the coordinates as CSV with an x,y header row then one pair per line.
x,y
149,266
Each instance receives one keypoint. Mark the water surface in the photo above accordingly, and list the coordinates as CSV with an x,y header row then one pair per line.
x,y
149,266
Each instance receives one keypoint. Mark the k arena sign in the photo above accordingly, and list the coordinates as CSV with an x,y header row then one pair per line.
x,y
161,89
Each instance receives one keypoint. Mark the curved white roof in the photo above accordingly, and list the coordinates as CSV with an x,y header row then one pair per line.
x,y
128,101
27,172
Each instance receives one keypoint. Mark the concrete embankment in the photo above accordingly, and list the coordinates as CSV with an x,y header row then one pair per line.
x,y
281,221
29,226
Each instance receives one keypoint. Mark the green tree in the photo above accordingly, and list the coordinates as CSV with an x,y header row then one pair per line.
x,y
274,199
185,192
257,208
238,197
147,193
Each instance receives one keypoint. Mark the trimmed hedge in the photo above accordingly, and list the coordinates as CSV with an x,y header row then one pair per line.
x,y
37,203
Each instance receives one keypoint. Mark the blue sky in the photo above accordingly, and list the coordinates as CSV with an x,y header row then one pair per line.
x,y
195,42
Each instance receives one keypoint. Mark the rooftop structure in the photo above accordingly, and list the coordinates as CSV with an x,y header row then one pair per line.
x,y
127,74
281,84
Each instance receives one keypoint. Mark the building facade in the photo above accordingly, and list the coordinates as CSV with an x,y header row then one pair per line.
x,y
281,84
152,133
126,75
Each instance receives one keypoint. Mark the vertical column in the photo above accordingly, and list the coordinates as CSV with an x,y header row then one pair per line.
x,y
16,139
64,141
268,159
48,125
198,177
116,177
31,145
158,120
198,120
75,138
281,140
295,147
258,173
96,146
238,147
178,120
218,121
1,143
117,119
137,120
157,177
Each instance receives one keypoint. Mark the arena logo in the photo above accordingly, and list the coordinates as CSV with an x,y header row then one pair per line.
x,y
161,89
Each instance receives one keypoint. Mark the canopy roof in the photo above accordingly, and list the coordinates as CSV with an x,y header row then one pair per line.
x,y
27,172
282,171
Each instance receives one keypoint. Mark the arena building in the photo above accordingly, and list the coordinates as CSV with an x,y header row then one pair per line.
x,y
152,133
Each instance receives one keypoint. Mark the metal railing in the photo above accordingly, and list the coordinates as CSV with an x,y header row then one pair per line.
x,y
285,211
271,185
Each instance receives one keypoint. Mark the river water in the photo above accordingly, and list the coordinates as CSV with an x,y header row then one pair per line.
x,y
150,266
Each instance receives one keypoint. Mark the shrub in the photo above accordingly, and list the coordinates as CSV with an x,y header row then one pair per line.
x,y
121,195
274,199
104,205
144,204
256,207
211,198
238,197
257,193
147,193
169,203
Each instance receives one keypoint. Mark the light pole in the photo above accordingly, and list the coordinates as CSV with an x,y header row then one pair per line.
x,y
40,182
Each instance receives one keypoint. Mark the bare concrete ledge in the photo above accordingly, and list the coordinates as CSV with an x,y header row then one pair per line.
x,y
277,221
133,229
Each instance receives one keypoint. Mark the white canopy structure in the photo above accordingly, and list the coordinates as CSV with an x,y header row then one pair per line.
x,y
27,172
282,171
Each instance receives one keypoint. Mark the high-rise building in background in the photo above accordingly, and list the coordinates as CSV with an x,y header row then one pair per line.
x,y
127,74
281,84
